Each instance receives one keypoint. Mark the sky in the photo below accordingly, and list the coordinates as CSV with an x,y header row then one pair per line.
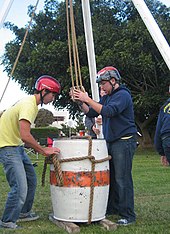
x,y
18,16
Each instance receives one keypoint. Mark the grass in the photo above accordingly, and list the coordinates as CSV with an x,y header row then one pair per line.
x,y
152,200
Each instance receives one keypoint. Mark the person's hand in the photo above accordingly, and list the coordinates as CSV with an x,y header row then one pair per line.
x,y
50,151
78,95
71,94
96,130
98,120
164,161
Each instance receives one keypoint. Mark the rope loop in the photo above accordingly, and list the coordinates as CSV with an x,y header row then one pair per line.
x,y
58,172
72,93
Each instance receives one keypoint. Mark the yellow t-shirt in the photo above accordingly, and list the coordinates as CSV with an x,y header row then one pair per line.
x,y
9,122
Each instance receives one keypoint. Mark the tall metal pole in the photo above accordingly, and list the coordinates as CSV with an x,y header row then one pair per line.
x,y
154,30
4,11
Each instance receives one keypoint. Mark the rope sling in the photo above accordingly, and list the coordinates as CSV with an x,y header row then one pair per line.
x,y
58,172
20,50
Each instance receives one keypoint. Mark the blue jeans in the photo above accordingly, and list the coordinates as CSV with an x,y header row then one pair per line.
x,y
166,147
21,178
121,193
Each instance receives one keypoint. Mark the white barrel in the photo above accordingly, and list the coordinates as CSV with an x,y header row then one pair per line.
x,y
71,201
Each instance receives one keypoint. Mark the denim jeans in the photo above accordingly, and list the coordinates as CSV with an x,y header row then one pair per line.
x,y
21,178
166,147
121,193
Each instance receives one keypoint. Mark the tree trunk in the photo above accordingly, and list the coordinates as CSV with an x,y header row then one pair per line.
x,y
146,140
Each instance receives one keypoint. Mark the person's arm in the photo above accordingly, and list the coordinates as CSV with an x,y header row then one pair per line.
x,y
89,122
28,139
84,107
157,137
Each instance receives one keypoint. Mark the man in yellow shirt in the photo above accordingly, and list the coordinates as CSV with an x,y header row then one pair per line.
x,y
15,126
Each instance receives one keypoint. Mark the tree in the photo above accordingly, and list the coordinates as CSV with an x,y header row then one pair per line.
x,y
121,39
44,118
143,69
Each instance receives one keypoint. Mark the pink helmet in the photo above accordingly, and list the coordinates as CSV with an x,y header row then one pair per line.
x,y
49,83
107,73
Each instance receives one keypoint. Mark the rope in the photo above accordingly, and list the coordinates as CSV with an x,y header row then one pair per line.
x,y
91,191
77,70
69,44
73,34
92,182
58,171
44,172
50,161
20,50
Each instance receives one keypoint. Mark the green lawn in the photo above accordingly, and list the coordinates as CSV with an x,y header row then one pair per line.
x,y
152,200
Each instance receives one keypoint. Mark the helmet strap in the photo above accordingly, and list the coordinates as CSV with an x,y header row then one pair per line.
x,y
41,97
113,86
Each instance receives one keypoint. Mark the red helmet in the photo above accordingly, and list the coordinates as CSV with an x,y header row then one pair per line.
x,y
49,83
107,73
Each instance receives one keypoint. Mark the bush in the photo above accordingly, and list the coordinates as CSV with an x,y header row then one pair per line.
x,y
41,134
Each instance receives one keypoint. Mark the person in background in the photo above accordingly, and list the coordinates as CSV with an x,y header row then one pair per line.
x,y
91,127
119,130
162,133
15,126
91,123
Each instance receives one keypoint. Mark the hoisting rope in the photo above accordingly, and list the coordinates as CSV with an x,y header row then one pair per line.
x,y
58,172
20,50
72,40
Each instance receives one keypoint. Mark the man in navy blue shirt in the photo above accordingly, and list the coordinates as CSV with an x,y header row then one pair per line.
x,y
162,134
119,130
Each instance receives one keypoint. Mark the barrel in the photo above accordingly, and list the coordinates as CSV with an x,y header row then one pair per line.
x,y
71,201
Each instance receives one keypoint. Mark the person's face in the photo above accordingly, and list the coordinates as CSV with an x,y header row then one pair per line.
x,y
106,86
49,97
102,92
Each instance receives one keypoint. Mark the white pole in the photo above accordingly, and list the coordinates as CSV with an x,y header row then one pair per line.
x,y
91,54
4,11
154,30
90,48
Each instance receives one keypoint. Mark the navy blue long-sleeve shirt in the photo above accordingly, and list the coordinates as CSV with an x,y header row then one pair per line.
x,y
117,114
162,127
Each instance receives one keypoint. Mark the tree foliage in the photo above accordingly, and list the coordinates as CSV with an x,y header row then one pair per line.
x,y
120,38
44,118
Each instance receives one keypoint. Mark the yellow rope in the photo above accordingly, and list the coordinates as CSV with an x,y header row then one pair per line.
x,y
20,50
77,70
57,170
73,41
69,44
